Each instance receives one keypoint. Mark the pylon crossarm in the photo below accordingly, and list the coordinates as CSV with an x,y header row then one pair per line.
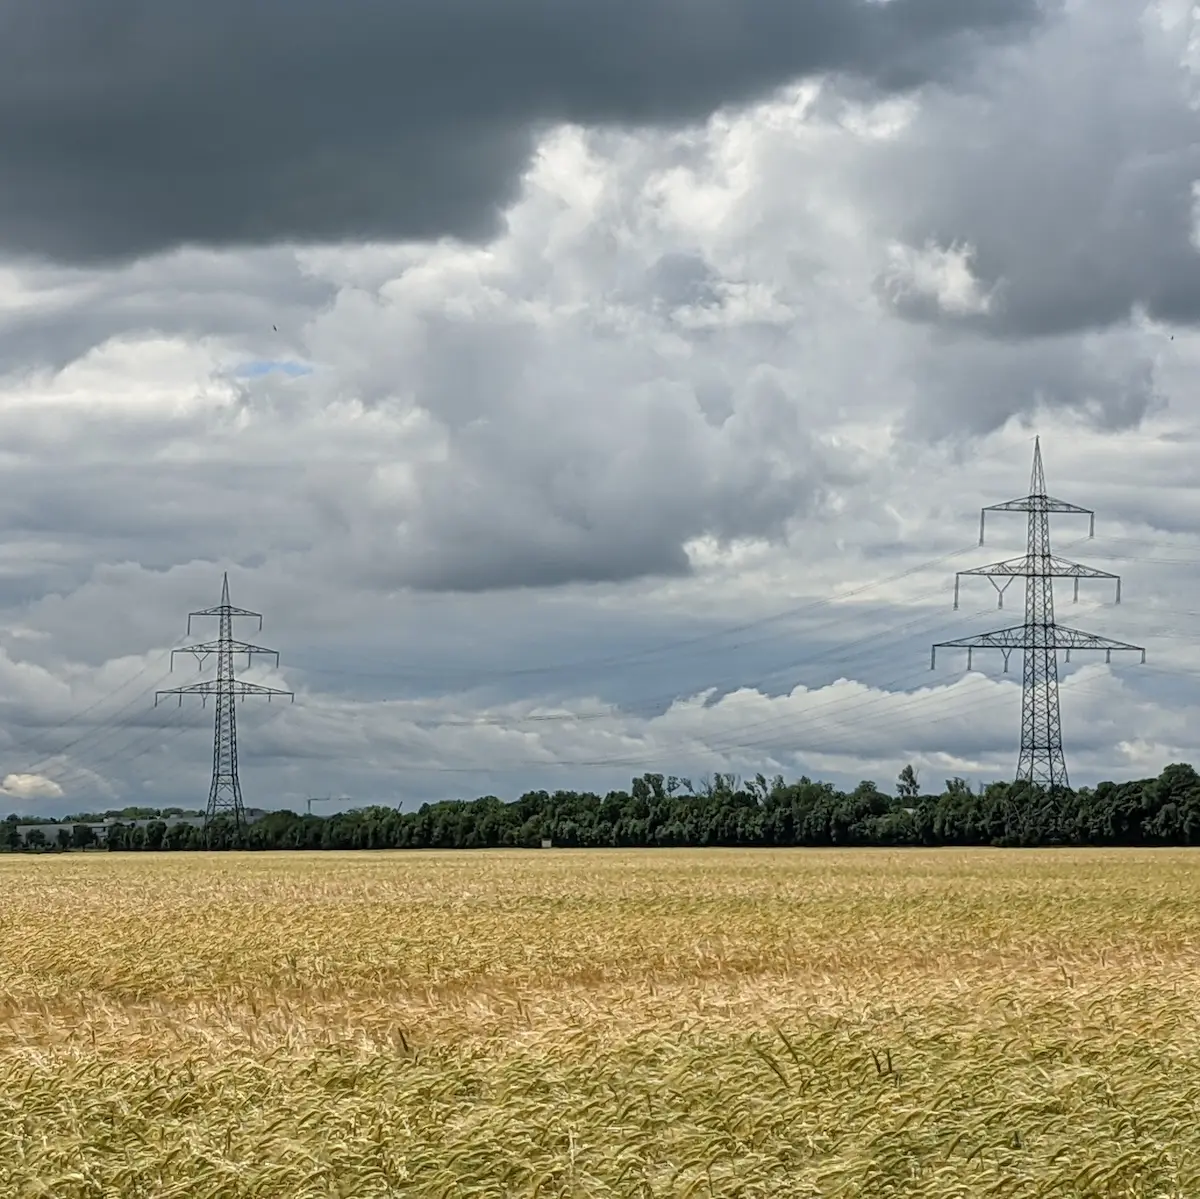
x,y
1053,566
205,688
223,610
1066,637
1039,504
216,687
1024,637
213,647
1011,638
1073,639
1027,567
1005,640
227,610
208,687
1064,568
243,689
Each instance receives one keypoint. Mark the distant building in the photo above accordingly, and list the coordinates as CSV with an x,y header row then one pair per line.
x,y
253,815
169,821
100,831
50,831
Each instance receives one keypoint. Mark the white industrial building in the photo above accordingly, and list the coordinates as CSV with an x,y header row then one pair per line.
x,y
100,831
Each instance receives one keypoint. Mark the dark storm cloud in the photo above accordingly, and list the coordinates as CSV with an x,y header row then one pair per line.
x,y
130,127
1068,169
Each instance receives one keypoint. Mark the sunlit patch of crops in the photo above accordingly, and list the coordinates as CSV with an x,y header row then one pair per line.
x,y
600,1024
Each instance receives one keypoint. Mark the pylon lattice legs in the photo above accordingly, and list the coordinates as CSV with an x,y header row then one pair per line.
x,y
225,793
1042,760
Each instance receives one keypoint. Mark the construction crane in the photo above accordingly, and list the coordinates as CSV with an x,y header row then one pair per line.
x,y
325,799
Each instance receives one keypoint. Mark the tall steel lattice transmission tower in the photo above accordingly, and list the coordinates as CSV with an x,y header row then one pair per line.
x,y
1041,761
225,794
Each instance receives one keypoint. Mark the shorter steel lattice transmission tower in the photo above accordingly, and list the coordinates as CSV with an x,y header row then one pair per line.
x,y
1041,761
225,793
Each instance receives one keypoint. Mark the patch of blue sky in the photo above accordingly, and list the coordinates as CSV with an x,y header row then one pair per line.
x,y
266,366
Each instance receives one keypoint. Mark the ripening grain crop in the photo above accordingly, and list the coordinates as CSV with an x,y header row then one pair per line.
x,y
600,1024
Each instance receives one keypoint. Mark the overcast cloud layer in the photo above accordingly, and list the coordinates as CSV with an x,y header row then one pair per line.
x,y
647,421
132,127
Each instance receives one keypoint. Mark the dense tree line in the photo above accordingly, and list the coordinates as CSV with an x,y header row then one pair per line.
x,y
658,811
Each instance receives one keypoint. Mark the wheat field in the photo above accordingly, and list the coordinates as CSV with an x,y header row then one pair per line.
x,y
676,1023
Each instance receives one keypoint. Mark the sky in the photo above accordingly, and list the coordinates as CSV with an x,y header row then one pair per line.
x,y
583,389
